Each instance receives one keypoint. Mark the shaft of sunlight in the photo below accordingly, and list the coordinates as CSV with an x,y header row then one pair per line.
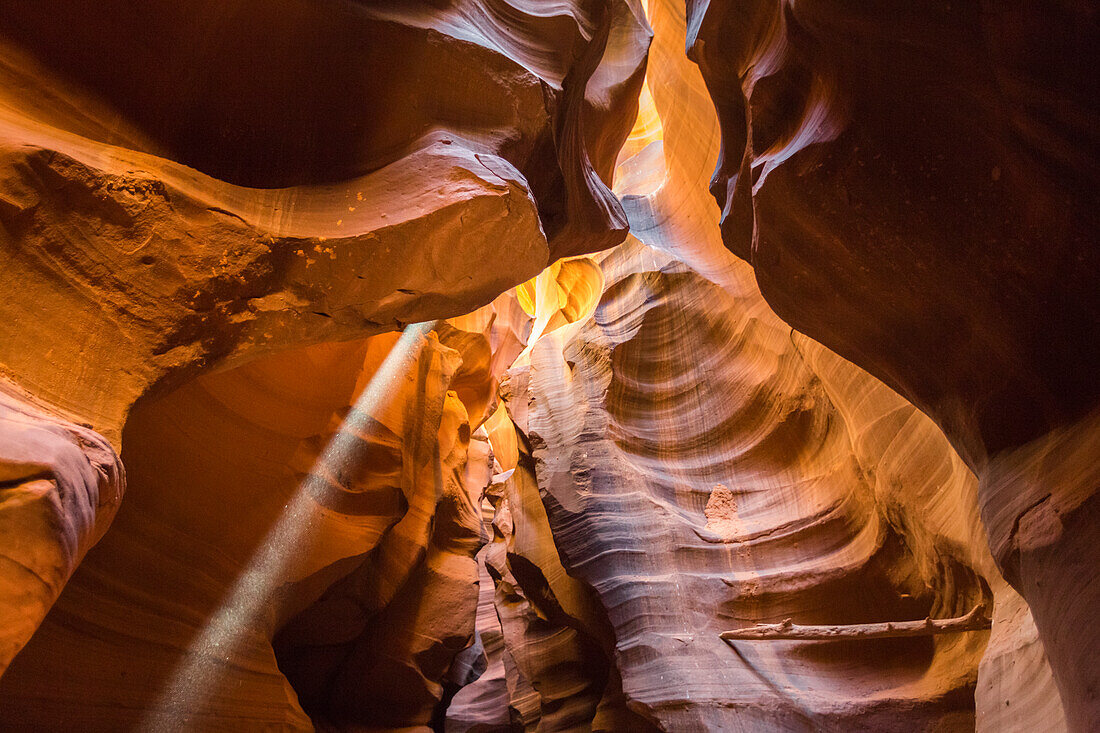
x,y
206,660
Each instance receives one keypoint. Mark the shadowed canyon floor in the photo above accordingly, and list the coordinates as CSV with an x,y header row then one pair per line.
x,y
489,366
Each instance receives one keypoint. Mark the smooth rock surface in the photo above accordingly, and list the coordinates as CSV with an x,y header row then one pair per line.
x,y
188,186
916,186
587,455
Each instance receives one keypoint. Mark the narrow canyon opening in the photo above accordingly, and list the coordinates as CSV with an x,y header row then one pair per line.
x,y
490,366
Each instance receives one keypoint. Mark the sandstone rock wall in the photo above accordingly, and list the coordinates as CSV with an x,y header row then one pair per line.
x,y
589,453
187,185
916,187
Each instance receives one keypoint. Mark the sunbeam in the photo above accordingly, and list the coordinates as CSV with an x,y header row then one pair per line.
x,y
196,676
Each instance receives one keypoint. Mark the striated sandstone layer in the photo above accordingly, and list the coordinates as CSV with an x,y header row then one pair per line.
x,y
212,466
188,186
377,591
694,506
544,512
916,186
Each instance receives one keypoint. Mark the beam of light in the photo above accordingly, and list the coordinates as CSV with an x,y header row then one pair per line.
x,y
205,662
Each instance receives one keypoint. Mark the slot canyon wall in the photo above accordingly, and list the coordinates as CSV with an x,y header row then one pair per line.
x,y
936,165
372,366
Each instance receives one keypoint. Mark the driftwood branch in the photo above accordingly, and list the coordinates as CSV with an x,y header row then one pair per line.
x,y
976,620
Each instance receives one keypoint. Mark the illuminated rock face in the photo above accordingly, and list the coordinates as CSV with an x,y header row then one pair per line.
x,y
390,542
171,200
916,187
744,503
540,512
61,487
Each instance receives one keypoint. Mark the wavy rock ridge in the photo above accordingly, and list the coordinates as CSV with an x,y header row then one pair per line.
x,y
590,453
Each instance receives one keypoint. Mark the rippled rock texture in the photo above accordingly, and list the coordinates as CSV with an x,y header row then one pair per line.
x,y
916,187
186,186
743,504
416,435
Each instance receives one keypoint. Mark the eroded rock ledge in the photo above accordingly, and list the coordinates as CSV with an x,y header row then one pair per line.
x,y
170,198
593,452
